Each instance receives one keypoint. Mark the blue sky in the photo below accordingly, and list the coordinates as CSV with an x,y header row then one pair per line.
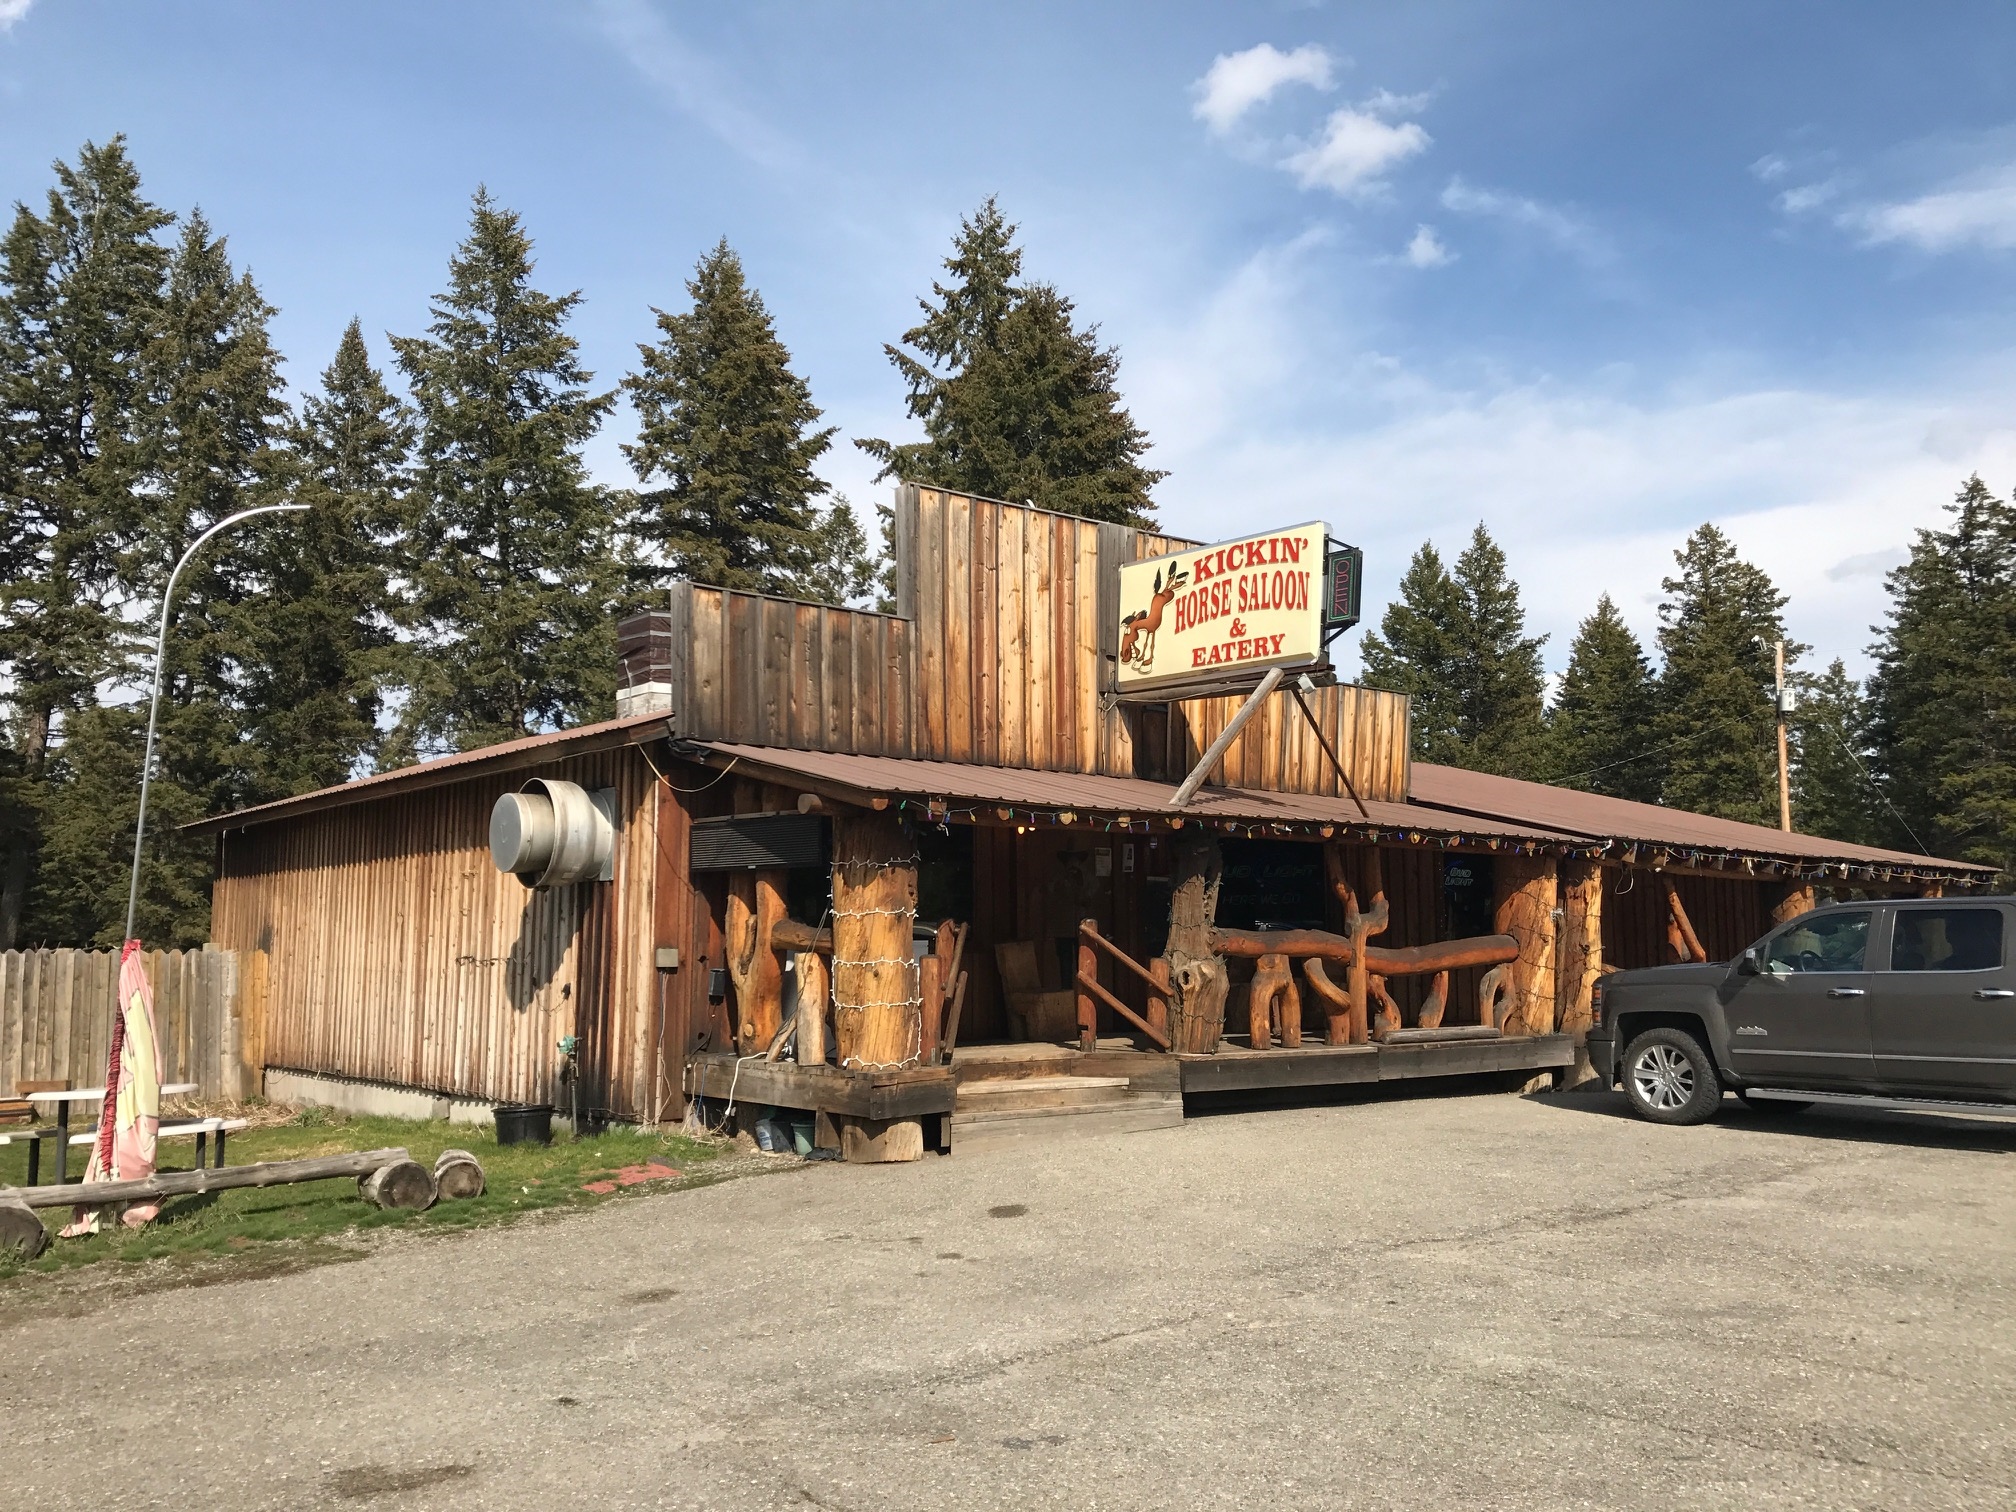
x,y
1590,273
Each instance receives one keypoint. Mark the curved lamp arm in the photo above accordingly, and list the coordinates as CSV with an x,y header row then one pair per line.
x,y
154,702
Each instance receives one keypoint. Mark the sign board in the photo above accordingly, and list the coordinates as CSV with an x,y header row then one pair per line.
x,y
1207,620
1343,589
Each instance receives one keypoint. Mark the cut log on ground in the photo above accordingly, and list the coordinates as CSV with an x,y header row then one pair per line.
x,y
22,1234
403,1184
870,1141
458,1174
183,1183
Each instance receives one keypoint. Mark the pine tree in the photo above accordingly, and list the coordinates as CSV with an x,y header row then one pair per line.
x,y
1500,678
1456,642
842,571
1603,719
727,425
79,288
1943,696
516,593
209,442
320,644
1716,630
1831,789
1016,402
1417,650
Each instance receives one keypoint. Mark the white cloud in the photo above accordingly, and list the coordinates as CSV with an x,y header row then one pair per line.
x,y
1565,230
12,11
1770,168
1809,196
1355,149
691,80
1238,82
1426,250
1979,211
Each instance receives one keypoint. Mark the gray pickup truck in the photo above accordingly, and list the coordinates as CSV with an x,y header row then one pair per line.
x,y
1900,1004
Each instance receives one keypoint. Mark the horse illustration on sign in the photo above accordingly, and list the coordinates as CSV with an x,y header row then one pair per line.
x,y
1137,630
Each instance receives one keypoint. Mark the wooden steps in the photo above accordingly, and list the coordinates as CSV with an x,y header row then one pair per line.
x,y
1010,1093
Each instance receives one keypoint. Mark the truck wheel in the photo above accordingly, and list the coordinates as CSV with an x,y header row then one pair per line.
x,y
1670,1079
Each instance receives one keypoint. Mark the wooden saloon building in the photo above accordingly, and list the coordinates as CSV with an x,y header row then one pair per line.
x,y
927,874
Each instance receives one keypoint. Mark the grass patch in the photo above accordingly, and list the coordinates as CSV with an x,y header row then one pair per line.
x,y
519,1179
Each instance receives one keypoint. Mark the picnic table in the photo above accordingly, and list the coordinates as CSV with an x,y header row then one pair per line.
x,y
60,1132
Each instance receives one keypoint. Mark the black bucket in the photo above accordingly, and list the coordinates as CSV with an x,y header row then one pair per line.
x,y
524,1123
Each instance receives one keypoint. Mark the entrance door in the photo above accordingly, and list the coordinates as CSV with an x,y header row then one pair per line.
x,y
1803,1020
1943,1016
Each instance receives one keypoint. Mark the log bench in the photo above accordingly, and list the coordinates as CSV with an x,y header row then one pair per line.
x,y
171,1128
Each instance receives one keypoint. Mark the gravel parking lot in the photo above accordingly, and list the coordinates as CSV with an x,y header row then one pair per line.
x,y
1441,1302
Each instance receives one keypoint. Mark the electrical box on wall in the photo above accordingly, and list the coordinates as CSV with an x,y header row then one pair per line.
x,y
667,958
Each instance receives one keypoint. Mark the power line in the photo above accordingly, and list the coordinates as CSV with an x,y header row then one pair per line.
x,y
1655,751
1837,738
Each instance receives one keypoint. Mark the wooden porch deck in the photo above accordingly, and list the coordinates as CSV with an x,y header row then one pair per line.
x,y
1235,1068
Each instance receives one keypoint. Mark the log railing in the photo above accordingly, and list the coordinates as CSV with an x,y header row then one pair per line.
x,y
1155,1025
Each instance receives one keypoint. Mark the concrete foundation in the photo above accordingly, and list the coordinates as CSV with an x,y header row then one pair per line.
x,y
373,1099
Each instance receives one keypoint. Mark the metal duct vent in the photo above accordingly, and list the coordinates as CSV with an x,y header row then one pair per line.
x,y
759,841
550,834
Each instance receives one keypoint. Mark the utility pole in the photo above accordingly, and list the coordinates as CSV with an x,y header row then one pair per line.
x,y
1783,703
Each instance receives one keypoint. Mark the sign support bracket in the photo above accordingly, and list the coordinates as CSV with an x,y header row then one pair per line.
x,y
1225,737
1324,741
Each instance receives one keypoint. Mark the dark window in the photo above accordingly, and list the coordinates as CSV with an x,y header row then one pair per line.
x,y
944,874
1820,942
1947,939
1466,896
1271,884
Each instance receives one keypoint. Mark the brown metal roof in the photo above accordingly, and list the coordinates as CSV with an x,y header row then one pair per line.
x,y
1091,793
1595,816
506,756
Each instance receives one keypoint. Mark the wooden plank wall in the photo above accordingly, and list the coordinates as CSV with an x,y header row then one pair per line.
x,y
1014,633
397,952
1728,913
56,1017
770,671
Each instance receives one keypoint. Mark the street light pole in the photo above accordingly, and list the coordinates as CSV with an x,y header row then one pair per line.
x,y
154,705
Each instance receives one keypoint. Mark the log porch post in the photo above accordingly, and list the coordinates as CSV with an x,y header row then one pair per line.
x,y
1526,890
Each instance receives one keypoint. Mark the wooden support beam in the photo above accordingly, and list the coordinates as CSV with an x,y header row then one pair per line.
x,y
1158,996
1336,1002
1435,1004
814,995
1266,1003
1197,1012
1794,899
755,908
1088,983
1680,936
1581,885
877,1016
1526,890
1400,961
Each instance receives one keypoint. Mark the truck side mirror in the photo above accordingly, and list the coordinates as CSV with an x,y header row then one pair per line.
x,y
1747,963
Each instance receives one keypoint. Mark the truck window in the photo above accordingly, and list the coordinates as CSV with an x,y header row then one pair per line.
x,y
1947,939
1822,942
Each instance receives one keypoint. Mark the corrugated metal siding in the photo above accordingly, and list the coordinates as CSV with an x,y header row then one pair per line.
x,y
398,952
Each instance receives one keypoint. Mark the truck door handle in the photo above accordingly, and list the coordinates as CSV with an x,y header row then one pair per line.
x,y
1844,992
1988,993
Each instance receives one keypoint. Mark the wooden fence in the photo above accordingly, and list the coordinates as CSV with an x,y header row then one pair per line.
x,y
56,1018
